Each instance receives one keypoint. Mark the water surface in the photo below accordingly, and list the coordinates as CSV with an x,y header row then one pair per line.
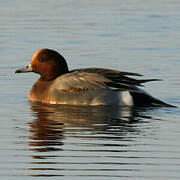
x,y
73,142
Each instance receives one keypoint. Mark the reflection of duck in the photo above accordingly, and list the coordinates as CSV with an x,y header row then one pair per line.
x,y
53,123
44,130
92,86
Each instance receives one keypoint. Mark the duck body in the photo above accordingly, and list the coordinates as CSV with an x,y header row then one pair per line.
x,y
62,91
90,86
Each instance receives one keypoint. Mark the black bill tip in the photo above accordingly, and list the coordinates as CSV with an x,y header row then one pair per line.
x,y
18,71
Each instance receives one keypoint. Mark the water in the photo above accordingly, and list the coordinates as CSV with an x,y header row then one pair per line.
x,y
69,142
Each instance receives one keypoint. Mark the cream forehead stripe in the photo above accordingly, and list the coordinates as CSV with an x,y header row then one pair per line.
x,y
36,54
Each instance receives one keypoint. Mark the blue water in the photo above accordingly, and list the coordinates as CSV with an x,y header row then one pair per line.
x,y
69,142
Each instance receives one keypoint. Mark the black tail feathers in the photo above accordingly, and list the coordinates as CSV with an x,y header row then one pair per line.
x,y
146,100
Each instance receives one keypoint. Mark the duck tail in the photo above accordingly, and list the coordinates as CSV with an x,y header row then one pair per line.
x,y
145,100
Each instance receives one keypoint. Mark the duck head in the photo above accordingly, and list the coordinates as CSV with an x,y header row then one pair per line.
x,y
48,63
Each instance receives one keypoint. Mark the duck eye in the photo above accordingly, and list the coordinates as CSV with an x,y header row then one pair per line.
x,y
42,59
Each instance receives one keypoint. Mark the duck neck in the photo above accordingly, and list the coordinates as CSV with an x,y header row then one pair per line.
x,y
55,73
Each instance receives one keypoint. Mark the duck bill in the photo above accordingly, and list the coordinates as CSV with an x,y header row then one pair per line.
x,y
25,69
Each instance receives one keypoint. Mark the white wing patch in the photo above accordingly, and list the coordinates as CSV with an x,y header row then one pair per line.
x,y
125,98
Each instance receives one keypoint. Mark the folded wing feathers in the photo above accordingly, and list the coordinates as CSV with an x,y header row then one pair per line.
x,y
81,81
107,72
96,78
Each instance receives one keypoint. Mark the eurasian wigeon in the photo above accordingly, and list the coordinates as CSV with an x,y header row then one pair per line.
x,y
91,86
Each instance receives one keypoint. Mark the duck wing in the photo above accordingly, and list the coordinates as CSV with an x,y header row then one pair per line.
x,y
108,72
76,81
117,77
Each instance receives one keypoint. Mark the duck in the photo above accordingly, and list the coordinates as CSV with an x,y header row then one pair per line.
x,y
87,86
